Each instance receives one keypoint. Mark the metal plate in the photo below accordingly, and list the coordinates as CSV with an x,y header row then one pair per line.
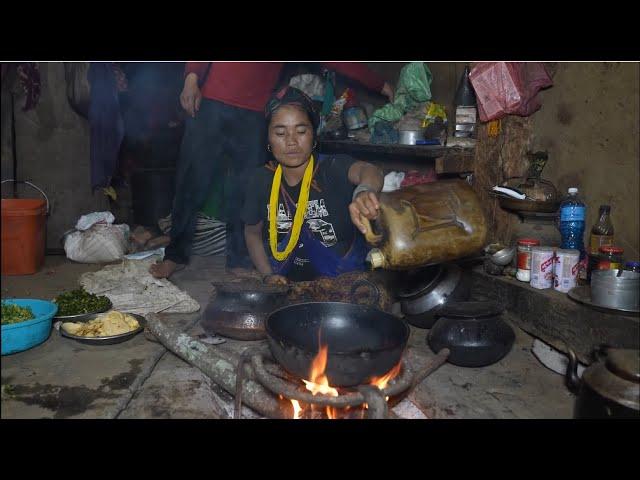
x,y
111,339
582,295
82,316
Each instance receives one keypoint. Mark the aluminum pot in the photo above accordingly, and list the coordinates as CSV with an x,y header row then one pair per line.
x,y
354,118
618,289
426,290
409,137
610,387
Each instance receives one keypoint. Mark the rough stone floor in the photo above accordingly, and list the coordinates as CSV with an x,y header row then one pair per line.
x,y
141,379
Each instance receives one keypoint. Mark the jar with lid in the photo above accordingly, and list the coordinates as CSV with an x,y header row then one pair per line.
x,y
632,266
610,257
524,258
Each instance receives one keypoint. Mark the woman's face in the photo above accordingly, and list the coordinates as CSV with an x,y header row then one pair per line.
x,y
291,136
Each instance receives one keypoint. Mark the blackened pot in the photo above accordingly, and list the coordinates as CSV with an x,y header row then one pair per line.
x,y
610,387
473,342
363,342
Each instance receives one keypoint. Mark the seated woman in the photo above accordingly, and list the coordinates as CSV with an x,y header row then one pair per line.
x,y
302,213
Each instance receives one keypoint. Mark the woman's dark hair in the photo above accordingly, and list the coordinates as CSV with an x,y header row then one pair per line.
x,y
293,96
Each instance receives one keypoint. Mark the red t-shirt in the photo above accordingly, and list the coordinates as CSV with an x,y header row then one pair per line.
x,y
250,84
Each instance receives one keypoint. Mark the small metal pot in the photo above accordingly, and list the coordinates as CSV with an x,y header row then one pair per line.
x,y
239,311
616,289
428,289
610,387
409,137
354,118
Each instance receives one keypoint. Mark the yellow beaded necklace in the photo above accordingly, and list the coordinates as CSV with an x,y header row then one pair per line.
x,y
301,208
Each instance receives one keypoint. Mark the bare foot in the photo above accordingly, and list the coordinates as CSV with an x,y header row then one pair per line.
x,y
164,269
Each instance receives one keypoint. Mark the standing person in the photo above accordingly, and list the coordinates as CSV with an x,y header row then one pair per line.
x,y
303,214
225,135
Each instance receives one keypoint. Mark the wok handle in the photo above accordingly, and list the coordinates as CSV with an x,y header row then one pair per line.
x,y
372,287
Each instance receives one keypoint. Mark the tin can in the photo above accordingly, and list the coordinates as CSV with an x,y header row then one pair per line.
x,y
542,267
567,264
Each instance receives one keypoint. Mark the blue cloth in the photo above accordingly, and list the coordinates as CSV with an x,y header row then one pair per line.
x,y
324,260
105,121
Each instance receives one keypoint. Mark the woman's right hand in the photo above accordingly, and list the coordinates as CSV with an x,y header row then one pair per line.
x,y
275,279
191,96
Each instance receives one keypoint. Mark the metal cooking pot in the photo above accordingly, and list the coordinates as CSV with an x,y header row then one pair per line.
x,y
616,289
354,118
610,387
473,332
239,311
363,342
409,137
428,289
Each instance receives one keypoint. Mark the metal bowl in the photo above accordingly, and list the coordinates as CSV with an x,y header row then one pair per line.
x,y
82,316
504,257
109,340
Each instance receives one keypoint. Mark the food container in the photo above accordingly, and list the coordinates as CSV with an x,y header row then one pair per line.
x,y
613,291
542,267
20,336
106,340
410,137
567,264
524,258
354,118
610,257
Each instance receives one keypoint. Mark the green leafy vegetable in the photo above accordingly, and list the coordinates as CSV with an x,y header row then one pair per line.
x,y
12,313
80,301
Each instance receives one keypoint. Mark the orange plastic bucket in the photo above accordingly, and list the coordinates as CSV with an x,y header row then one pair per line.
x,y
23,235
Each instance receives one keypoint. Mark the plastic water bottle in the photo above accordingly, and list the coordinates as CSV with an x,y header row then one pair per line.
x,y
572,221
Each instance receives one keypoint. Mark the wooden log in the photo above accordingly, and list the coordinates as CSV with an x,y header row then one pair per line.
x,y
218,365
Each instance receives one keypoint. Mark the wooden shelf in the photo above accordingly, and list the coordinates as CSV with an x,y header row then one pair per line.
x,y
444,159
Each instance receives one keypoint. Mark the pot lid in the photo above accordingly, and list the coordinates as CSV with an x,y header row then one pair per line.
x,y
624,363
420,281
470,309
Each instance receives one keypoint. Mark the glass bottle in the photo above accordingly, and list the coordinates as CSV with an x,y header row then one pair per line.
x,y
602,231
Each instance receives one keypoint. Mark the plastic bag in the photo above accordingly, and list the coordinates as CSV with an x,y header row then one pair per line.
x,y
414,87
85,222
101,243
508,88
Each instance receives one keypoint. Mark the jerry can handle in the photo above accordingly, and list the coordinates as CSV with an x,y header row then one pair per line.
x,y
370,237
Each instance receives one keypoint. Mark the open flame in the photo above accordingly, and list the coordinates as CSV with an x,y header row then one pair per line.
x,y
296,409
319,383
383,381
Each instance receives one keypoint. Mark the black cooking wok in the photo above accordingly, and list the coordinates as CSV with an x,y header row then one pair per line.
x,y
363,342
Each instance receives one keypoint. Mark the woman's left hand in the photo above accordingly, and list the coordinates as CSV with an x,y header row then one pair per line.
x,y
366,205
